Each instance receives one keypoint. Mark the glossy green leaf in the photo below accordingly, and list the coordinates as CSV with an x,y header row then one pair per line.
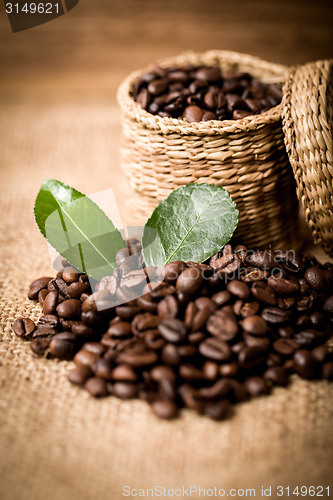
x,y
77,228
193,223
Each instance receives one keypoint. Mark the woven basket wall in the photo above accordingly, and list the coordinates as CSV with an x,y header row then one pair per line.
x,y
247,157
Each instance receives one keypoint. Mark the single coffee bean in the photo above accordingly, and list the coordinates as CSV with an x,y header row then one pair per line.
x,y
251,356
157,87
42,295
75,290
277,375
219,389
327,370
215,349
124,373
102,368
62,348
218,410
190,372
85,358
316,278
24,327
69,309
192,114
165,409
173,330
124,390
254,325
221,298
170,355
50,303
263,293
79,375
275,315
328,306
190,280
239,289
70,275
286,347
321,353
168,307
305,364
283,286
210,370
223,324
138,360
121,329
96,387
38,285
256,386
40,346
161,372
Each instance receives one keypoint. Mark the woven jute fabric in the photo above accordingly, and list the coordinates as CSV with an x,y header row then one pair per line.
x,y
56,442
307,123
247,157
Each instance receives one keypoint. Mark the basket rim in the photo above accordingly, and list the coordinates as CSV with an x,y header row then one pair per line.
x,y
133,111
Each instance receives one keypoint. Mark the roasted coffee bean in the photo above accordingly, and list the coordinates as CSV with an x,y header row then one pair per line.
x,y
250,357
189,281
85,358
38,285
124,373
70,275
62,348
261,342
138,359
82,330
305,364
256,386
327,371
223,324
317,319
79,375
171,271
287,347
91,318
40,345
254,275
219,389
283,286
96,387
239,289
165,409
124,390
102,368
170,355
277,375
24,327
42,295
75,290
254,325
50,303
275,316
202,315
195,337
60,286
210,370
127,312
249,309
221,298
121,329
218,410
69,309
328,307
316,278
263,293
264,259
173,330
190,372
168,307
321,353
215,349
307,338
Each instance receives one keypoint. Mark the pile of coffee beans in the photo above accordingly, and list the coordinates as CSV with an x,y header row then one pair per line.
x,y
201,93
206,336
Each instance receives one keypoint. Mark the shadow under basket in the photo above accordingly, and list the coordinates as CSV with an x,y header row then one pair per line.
x,y
247,157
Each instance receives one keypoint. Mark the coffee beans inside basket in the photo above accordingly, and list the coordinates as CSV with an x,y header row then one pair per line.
x,y
203,93
210,335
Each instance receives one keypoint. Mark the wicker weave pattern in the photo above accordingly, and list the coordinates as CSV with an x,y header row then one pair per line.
x,y
247,156
308,121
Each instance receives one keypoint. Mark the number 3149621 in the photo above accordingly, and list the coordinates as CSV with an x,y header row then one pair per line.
x,y
308,491
32,8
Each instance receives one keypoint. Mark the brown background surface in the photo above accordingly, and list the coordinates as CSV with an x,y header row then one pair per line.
x,y
59,118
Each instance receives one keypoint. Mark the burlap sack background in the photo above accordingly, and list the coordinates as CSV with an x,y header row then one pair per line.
x,y
58,443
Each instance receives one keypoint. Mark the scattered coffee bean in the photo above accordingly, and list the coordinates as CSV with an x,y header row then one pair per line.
x,y
24,327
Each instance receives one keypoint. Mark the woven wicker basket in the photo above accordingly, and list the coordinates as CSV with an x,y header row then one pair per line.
x,y
308,124
247,156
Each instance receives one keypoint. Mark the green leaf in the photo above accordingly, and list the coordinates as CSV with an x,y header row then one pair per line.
x,y
77,228
193,223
